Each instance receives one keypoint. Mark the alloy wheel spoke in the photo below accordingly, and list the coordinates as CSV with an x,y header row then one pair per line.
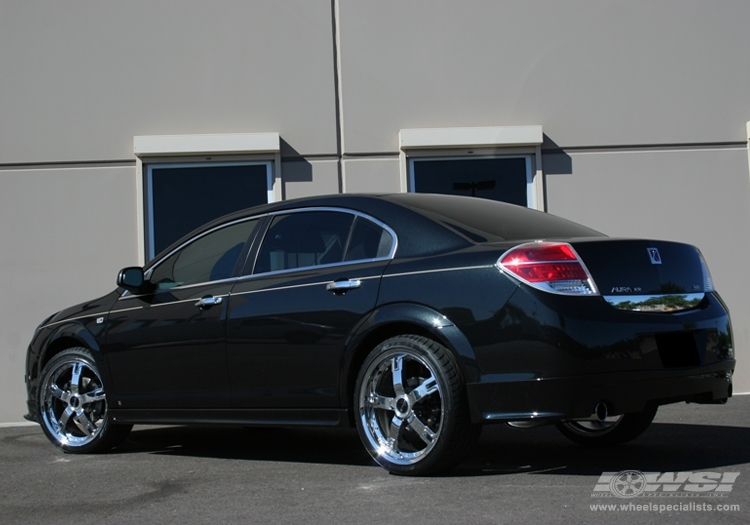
x,y
93,396
427,388
84,423
75,378
59,393
424,432
394,433
378,401
397,365
62,423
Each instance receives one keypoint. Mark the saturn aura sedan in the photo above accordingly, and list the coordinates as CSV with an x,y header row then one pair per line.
x,y
416,318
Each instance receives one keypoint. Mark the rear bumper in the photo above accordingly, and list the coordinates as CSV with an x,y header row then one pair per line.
x,y
504,398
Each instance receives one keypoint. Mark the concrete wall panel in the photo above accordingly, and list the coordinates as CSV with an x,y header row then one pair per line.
x,y
592,72
66,233
81,79
372,175
303,179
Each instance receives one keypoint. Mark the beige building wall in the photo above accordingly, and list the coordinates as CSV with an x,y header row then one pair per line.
x,y
65,234
643,105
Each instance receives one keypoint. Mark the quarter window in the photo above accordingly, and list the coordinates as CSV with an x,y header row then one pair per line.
x,y
209,258
369,241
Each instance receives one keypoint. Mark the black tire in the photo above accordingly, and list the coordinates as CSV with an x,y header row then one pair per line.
x,y
414,421
72,405
611,431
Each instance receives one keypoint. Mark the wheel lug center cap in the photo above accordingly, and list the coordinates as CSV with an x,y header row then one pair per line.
x,y
74,402
403,407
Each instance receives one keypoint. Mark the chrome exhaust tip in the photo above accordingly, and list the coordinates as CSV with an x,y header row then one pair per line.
x,y
601,411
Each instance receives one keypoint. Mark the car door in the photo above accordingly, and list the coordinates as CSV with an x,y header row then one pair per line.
x,y
166,349
317,274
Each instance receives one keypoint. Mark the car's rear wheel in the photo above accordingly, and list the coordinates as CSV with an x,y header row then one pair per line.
x,y
73,404
611,431
411,408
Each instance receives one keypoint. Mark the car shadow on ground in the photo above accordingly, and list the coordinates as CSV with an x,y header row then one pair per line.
x,y
665,447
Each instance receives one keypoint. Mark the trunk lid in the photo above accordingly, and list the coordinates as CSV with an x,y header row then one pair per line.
x,y
646,275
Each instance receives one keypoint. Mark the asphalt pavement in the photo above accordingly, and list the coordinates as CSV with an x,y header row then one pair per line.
x,y
691,466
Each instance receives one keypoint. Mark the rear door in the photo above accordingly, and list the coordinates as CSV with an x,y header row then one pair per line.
x,y
317,275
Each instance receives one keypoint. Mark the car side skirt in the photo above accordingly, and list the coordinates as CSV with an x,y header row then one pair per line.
x,y
251,417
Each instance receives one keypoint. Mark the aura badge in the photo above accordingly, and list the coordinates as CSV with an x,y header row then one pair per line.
x,y
654,255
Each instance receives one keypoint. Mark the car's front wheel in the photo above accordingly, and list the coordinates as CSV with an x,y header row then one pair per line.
x,y
411,408
72,404
611,431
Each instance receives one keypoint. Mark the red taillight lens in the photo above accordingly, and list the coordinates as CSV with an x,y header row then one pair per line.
x,y
550,266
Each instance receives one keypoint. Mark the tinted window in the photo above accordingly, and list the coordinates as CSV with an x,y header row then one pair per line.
x,y
500,179
369,241
304,239
209,258
182,198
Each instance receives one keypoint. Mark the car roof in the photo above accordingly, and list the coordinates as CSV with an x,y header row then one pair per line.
x,y
428,223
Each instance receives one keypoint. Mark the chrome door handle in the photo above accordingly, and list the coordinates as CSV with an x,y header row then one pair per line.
x,y
208,301
343,286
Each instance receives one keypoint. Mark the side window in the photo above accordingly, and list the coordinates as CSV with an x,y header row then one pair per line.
x,y
299,240
209,258
369,241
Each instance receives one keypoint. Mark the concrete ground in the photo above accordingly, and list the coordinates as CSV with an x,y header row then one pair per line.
x,y
234,475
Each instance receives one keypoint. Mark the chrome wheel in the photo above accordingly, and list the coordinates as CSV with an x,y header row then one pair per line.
x,y
411,407
402,407
73,404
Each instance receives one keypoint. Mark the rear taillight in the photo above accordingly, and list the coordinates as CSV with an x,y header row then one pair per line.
x,y
550,266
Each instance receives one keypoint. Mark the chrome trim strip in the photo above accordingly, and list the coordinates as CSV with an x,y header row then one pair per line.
x,y
246,278
317,283
126,310
181,287
191,300
438,270
74,319
655,303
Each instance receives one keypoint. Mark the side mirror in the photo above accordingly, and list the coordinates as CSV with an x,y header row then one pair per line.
x,y
131,279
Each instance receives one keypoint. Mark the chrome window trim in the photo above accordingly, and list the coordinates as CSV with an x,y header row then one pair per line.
x,y
387,228
127,295
151,267
390,256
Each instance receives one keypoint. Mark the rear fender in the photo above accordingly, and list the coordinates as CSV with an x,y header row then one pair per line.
x,y
404,318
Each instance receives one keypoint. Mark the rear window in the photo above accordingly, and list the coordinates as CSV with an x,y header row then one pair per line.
x,y
484,220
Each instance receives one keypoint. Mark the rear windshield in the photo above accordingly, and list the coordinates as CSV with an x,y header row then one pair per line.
x,y
484,220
